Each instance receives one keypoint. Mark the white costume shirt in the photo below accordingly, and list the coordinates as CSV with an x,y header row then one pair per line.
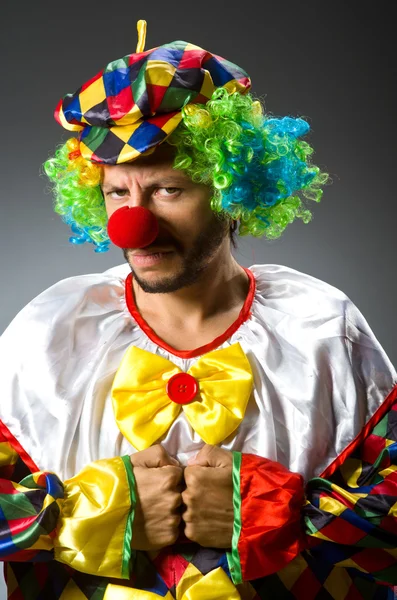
x,y
319,373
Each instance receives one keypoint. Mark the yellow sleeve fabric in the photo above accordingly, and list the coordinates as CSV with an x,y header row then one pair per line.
x,y
85,522
97,511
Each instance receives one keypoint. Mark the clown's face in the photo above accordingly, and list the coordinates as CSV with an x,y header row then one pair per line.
x,y
190,236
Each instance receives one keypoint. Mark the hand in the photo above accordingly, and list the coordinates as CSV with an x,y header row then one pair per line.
x,y
158,487
208,498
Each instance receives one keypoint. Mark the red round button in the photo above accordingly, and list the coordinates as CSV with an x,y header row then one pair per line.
x,y
182,388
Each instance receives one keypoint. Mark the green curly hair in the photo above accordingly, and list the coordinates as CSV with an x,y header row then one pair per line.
x,y
257,166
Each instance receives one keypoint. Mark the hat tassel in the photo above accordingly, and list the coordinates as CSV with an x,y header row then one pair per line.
x,y
141,27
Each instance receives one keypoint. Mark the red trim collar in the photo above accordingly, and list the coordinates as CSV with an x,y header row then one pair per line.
x,y
245,313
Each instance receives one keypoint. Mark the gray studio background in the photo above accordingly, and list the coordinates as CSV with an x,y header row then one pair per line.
x,y
332,62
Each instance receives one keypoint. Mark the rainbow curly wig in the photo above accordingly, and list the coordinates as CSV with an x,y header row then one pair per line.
x,y
257,166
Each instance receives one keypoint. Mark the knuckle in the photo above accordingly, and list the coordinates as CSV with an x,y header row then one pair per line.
x,y
187,516
170,476
172,538
186,497
159,451
174,521
191,476
172,529
178,473
173,473
190,532
165,485
175,501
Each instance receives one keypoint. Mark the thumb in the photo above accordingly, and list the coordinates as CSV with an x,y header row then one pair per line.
x,y
211,456
153,457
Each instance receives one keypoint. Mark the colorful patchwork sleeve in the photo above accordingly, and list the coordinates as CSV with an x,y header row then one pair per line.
x,y
84,522
347,517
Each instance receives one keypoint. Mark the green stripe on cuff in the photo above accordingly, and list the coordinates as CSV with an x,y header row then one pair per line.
x,y
233,557
127,550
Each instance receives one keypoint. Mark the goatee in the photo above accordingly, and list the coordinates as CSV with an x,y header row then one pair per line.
x,y
194,261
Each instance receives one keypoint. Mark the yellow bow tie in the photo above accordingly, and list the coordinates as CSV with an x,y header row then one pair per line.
x,y
149,392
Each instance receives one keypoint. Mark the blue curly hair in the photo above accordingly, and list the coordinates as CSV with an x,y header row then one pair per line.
x,y
257,166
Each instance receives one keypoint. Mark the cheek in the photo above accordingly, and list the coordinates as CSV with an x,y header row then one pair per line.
x,y
194,216
187,225
109,209
112,206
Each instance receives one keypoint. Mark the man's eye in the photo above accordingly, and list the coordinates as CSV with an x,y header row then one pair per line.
x,y
118,193
169,191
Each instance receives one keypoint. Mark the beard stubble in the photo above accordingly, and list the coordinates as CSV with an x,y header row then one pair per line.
x,y
194,261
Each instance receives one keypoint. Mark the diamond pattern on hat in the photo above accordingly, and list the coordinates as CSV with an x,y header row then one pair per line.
x,y
98,115
159,73
174,98
92,95
121,104
192,59
116,81
88,83
156,95
131,118
127,154
167,55
138,57
229,67
135,67
219,73
135,90
139,90
143,103
163,120
191,79
72,108
110,146
172,122
115,65
139,139
94,136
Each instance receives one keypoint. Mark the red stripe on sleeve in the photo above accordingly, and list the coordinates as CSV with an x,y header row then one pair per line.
x,y
271,502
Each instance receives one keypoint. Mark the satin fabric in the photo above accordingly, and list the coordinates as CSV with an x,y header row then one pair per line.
x,y
8,456
94,520
271,500
319,373
135,102
29,514
216,585
233,556
144,411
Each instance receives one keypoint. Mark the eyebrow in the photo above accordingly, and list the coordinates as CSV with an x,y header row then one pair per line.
x,y
157,181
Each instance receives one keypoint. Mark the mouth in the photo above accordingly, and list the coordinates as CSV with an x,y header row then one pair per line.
x,y
149,250
148,258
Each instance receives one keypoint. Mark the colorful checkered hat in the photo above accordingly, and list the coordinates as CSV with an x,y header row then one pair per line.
x,y
135,103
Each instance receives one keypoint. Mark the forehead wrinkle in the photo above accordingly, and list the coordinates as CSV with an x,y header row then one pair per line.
x,y
145,175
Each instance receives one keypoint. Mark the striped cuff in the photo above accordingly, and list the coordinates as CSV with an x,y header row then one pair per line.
x,y
267,500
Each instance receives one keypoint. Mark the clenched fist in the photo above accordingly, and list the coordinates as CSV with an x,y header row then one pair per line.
x,y
208,498
158,486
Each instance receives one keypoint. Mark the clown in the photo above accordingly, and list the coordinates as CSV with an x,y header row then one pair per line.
x,y
180,426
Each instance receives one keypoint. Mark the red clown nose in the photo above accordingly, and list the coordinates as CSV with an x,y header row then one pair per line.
x,y
133,227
